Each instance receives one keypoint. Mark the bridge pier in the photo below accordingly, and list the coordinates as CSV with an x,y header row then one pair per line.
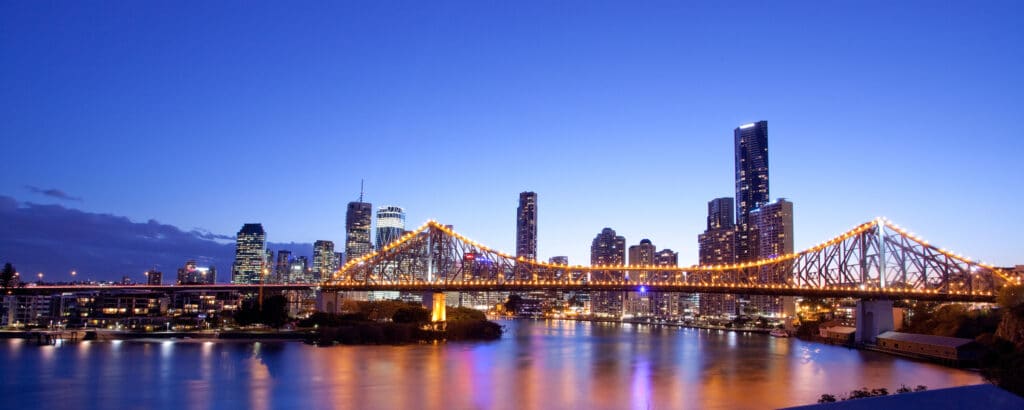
x,y
874,317
328,301
435,301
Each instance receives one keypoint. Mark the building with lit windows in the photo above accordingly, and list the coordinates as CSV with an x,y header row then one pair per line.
x,y
639,303
250,254
774,224
390,224
298,271
607,249
717,246
284,260
324,262
751,163
192,274
154,277
526,226
358,220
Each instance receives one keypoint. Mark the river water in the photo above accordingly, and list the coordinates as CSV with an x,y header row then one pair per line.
x,y
536,364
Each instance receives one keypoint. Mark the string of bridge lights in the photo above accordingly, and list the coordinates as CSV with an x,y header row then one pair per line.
x,y
859,229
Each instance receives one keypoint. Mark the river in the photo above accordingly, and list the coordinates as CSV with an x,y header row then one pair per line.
x,y
536,364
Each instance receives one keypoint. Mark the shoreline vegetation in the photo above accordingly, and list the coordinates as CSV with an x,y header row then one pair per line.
x,y
397,323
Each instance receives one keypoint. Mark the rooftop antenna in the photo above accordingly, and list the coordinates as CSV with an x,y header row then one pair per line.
x,y
360,190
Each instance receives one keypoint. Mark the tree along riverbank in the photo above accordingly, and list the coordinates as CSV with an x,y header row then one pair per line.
x,y
396,323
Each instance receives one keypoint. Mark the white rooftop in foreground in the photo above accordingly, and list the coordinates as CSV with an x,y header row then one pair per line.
x,y
979,396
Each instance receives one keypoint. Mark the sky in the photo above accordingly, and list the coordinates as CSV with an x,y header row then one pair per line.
x,y
195,117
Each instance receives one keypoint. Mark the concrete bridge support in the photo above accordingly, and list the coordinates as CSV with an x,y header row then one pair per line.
x,y
435,301
874,317
329,301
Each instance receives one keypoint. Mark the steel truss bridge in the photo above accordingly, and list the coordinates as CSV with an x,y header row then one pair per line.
x,y
874,260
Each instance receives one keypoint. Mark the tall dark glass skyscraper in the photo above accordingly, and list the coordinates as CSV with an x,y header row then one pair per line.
x,y
250,254
390,224
526,226
720,213
751,184
358,220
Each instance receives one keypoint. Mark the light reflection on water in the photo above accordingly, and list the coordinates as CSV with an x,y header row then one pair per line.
x,y
537,364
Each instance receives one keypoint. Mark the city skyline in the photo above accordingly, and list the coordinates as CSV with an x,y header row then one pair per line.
x,y
849,141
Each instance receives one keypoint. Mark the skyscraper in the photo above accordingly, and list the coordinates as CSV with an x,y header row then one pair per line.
x,y
607,249
526,226
323,260
718,247
751,142
358,219
720,213
154,277
641,255
298,271
390,224
250,254
284,258
192,274
669,304
774,224
639,303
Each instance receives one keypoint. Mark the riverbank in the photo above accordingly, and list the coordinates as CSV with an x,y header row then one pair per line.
x,y
670,324
234,335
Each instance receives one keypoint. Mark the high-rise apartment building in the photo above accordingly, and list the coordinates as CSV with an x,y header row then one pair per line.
x,y
720,213
774,224
324,263
526,226
250,254
639,303
607,249
718,247
358,219
559,260
670,304
751,162
390,224
641,255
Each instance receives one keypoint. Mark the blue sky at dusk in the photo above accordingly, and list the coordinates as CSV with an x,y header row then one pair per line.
x,y
204,116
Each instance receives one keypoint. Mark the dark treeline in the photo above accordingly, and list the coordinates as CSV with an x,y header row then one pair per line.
x,y
394,322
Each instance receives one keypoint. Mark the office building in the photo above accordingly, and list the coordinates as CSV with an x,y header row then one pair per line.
x,y
298,271
250,254
192,274
358,219
324,263
390,224
284,260
526,226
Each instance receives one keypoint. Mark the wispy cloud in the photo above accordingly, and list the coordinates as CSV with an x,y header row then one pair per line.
x,y
56,239
53,193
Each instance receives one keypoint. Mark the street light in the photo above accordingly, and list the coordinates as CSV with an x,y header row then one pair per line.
x,y
40,277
